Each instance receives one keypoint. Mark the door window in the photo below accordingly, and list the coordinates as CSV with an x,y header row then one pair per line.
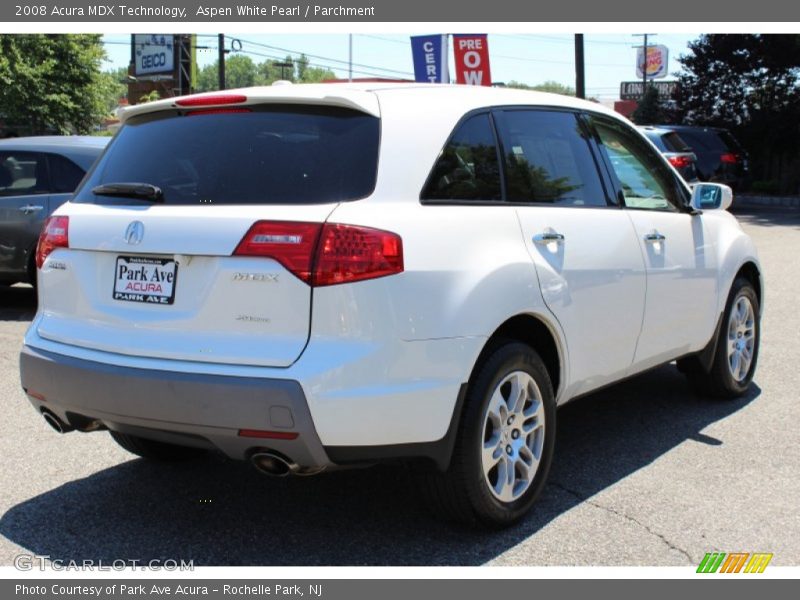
x,y
22,173
548,159
645,181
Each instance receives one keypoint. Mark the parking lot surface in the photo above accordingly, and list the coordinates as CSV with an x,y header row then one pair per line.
x,y
645,473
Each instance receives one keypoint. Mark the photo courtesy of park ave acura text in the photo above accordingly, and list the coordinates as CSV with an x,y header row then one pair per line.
x,y
454,295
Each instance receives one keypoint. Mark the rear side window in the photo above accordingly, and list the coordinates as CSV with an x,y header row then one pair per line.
x,y
272,154
674,143
468,167
65,175
548,159
22,173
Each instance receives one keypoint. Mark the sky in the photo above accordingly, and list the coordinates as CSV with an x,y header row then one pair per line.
x,y
524,57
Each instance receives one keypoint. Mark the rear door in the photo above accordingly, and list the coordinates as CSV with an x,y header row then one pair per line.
x,y
159,277
680,254
584,247
24,200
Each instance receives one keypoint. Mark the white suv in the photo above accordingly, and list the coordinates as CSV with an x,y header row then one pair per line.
x,y
310,277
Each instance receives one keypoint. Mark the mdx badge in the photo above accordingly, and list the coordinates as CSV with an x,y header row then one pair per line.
x,y
134,233
265,277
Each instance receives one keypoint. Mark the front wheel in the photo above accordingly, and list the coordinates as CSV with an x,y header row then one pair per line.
x,y
734,361
505,443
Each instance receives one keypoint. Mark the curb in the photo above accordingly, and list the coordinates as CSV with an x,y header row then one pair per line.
x,y
783,201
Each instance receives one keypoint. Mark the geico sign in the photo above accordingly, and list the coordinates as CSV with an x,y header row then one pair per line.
x,y
153,61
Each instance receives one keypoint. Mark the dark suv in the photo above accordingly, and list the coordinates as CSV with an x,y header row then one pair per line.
x,y
720,158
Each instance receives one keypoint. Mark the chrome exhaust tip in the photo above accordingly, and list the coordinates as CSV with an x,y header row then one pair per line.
x,y
56,423
273,464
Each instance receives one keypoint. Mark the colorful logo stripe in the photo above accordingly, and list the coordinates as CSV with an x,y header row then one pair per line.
x,y
734,562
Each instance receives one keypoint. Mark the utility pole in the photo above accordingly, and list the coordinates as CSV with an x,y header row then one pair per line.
x,y
580,73
221,48
644,60
350,70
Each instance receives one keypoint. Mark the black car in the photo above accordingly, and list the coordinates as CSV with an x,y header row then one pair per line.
x,y
720,158
37,175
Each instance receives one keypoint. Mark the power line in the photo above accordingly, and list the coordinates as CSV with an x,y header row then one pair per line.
x,y
326,58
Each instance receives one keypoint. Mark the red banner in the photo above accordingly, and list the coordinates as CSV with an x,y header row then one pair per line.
x,y
472,59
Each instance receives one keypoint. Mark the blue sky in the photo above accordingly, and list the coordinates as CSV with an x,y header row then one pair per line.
x,y
526,57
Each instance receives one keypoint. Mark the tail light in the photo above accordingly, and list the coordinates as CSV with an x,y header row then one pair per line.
x,y
729,158
325,254
679,162
55,234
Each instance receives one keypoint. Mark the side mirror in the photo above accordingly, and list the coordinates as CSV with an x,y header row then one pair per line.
x,y
711,196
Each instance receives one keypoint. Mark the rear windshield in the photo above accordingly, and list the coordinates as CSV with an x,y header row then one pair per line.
x,y
704,140
274,154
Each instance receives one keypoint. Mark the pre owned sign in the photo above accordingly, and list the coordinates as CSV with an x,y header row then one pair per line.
x,y
472,59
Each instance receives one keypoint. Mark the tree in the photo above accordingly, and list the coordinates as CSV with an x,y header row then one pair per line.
x,y
113,87
52,82
552,87
240,71
650,110
748,83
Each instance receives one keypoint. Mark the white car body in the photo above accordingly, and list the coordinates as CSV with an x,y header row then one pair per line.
x,y
381,363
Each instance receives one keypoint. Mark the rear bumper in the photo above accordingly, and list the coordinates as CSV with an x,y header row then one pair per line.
x,y
184,408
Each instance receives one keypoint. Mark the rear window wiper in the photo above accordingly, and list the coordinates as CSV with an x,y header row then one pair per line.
x,y
145,191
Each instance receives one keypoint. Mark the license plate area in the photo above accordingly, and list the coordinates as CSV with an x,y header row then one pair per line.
x,y
145,279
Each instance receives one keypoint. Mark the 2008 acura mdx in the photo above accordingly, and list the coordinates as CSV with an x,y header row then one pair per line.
x,y
317,276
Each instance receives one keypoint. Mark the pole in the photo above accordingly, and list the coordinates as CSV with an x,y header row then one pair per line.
x,y
350,62
221,44
580,72
644,67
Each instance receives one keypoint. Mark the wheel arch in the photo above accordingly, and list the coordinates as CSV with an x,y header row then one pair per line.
x,y
537,333
750,271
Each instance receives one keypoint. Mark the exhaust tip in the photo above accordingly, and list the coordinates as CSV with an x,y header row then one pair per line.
x,y
55,422
272,464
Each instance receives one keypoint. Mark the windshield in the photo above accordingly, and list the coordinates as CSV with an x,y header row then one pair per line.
x,y
267,154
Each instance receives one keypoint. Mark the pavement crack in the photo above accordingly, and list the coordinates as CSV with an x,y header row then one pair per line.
x,y
608,509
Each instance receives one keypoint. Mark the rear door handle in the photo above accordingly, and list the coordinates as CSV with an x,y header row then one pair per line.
x,y
654,237
30,208
548,236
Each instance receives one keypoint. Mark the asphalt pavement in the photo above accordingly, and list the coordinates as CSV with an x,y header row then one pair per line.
x,y
645,473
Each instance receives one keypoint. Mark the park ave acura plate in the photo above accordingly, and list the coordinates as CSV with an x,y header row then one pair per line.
x,y
140,279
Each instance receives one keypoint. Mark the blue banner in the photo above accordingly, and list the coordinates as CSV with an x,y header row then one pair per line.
x,y
430,58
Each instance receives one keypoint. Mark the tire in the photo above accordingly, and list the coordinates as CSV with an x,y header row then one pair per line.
x,y
154,450
730,377
467,492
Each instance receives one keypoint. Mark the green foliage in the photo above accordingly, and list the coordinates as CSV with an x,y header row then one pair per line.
x,y
749,83
552,87
650,110
149,97
241,71
113,88
53,82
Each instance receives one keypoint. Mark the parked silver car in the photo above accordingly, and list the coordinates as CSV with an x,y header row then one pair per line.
x,y
37,175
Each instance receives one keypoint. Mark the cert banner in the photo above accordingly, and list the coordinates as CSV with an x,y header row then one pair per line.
x,y
430,58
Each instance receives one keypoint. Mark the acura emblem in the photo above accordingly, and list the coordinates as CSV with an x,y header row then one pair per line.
x,y
134,233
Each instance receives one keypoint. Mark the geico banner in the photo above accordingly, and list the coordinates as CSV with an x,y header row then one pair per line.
x,y
430,58
472,59
154,54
